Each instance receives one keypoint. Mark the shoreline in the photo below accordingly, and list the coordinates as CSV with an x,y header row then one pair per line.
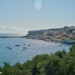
x,y
61,41
68,42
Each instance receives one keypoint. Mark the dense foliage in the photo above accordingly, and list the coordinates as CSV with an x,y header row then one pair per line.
x,y
60,63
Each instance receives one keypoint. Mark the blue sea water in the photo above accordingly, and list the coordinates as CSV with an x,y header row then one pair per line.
x,y
34,47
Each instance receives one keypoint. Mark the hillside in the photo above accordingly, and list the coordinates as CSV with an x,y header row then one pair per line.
x,y
58,34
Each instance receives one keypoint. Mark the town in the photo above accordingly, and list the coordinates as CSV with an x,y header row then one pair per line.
x,y
59,35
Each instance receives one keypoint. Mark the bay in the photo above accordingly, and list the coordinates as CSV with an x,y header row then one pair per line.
x,y
27,49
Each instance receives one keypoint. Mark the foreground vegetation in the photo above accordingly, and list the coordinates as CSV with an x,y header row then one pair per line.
x,y
60,63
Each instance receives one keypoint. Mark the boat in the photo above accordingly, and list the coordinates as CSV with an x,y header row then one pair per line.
x,y
8,47
29,45
61,45
17,45
24,48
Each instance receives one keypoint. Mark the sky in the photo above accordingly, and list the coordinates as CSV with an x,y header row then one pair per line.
x,y
20,16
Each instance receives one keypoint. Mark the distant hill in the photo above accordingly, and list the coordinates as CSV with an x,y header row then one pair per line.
x,y
61,35
6,35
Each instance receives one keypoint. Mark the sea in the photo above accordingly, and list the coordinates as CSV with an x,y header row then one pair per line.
x,y
13,50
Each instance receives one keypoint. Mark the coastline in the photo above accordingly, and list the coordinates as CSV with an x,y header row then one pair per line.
x,y
61,41
59,35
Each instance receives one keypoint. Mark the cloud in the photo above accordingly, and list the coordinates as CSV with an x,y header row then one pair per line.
x,y
14,29
10,29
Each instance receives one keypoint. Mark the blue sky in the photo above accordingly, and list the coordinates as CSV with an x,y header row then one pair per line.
x,y
20,16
